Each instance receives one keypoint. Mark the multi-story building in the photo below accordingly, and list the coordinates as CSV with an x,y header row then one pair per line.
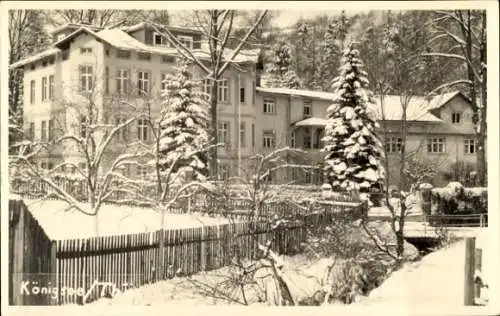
x,y
119,71
440,129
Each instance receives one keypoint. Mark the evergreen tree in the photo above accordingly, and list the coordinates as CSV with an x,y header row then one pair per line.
x,y
184,126
281,76
330,59
354,152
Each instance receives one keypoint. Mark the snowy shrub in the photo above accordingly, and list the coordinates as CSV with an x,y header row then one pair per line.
x,y
454,198
353,150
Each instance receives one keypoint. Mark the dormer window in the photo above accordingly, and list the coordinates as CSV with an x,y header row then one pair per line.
x,y
186,41
159,40
456,118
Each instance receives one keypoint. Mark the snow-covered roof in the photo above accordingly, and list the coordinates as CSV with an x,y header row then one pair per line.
x,y
311,121
417,110
46,53
121,40
295,92
68,38
141,25
75,25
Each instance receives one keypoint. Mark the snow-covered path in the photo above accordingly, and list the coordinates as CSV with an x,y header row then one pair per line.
x,y
434,283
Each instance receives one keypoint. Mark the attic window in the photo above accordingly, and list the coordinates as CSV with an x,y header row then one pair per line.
x,y
123,54
168,59
33,66
85,50
159,40
456,118
144,56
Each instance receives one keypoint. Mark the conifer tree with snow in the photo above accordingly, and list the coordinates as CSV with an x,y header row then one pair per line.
x,y
184,127
280,73
354,152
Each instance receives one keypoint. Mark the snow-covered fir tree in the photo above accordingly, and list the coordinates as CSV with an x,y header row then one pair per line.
x,y
184,126
354,152
280,73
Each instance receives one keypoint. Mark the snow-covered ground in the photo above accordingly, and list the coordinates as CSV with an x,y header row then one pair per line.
x,y
436,281
60,223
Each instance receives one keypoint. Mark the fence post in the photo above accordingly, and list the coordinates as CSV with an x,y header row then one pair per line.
x,y
53,272
470,246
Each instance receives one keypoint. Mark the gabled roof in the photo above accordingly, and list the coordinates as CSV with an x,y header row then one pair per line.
x,y
64,41
119,39
76,26
142,25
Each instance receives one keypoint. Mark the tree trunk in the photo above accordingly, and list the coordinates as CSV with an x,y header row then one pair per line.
x,y
481,152
213,113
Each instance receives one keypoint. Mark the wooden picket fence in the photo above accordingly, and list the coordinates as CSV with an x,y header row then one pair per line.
x,y
79,271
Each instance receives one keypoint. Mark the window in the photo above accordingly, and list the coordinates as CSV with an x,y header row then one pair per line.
x,y
44,165
186,41
83,126
108,52
168,59
142,172
269,106
253,92
223,90
144,56
307,142
124,54
269,139
242,135
43,135
32,91
253,135
44,89
456,118
223,133
394,145
307,108
122,81
292,140
143,82
470,146
207,87
31,132
121,134
223,172
51,87
159,40
65,54
85,50
51,129
142,130
242,94
86,78
106,79
164,82
435,145
50,165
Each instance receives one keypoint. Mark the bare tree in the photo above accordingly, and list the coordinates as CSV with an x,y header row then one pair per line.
x,y
101,18
83,130
397,67
216,26
464,33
